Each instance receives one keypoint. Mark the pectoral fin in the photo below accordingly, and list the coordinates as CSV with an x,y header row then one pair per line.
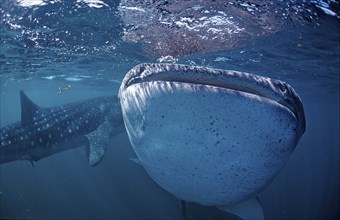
x,y
99,139
248,210
135,160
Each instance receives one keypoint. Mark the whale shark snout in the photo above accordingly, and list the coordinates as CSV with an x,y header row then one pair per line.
x,y
210,136
275,90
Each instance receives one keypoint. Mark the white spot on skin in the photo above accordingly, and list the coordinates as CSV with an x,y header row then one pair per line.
x,y
102,107
32,143
86,121
61,135
49,136
40,140
70,131
21,138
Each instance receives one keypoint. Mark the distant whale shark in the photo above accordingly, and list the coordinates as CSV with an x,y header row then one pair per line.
x,y
45,131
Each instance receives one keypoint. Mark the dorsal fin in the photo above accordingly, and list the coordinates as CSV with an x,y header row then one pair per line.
x,y
28,109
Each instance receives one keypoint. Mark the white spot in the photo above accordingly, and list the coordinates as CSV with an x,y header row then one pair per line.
x,y
21,138
133,8
86,121
9,142
32,143
40,140
49,136
61,135
69,131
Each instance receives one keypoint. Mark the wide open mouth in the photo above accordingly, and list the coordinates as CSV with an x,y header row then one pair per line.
x,y
275,90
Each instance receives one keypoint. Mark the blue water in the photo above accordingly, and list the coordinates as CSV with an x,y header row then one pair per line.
x,y
50,44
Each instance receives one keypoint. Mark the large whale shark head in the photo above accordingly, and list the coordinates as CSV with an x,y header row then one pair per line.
x,y
210,136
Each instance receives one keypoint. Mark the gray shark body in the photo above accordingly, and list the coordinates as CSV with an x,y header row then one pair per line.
x,y
210,136
45,131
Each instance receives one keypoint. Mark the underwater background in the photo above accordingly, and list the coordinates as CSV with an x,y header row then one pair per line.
x,y
87,46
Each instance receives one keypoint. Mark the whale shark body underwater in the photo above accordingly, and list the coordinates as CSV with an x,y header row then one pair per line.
x,y
210,136
45,131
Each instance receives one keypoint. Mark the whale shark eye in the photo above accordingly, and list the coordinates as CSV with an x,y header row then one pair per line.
x,y
282,88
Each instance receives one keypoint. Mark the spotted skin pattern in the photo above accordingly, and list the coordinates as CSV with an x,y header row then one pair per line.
x,y
46,131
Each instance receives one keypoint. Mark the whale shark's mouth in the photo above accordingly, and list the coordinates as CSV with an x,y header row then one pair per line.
x,y
272,89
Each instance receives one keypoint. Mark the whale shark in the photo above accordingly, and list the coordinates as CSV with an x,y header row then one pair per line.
x,y
42,132
211,136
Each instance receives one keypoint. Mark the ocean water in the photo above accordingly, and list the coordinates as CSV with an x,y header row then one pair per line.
x,y
47,45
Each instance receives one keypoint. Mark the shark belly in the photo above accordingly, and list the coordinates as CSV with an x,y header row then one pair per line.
x,y
33,143
206,144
